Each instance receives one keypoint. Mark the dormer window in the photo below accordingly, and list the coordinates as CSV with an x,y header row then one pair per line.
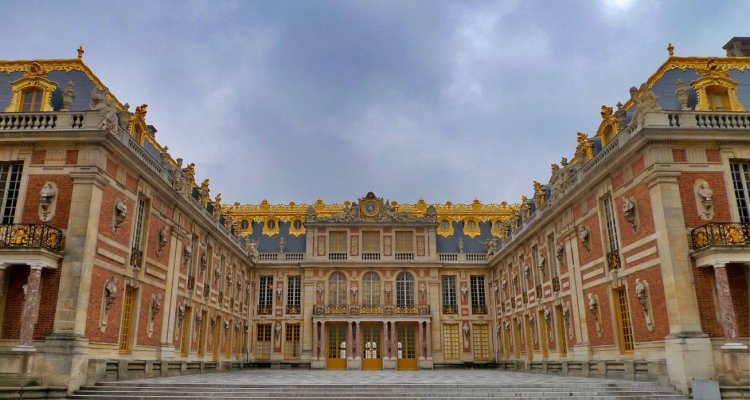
x,y
32,100
718,99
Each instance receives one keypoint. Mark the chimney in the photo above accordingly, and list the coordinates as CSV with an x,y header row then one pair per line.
x,y
738,47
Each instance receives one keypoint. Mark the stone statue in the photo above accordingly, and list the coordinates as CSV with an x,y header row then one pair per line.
x,y
354,289
682,94
155,306
705,196
539,194
204,262
162,239
547,314
125,117
620,115
187,253
559,252
460,245
252,248
217,206
593,304
645,102
121,212
641,293
110,293
100,102
491,246
68,95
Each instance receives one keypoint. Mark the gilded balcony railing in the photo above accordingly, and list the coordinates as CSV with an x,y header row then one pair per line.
x,y
613,260
556,284
32,236
539,292
479,310
334,310
191,282
136,259
721,234
292,309
450,309
265,310
206,289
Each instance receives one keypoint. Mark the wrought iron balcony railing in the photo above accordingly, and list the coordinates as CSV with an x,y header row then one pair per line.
x,y
31,236
613,260
479,309
381,310
721,234
450,309
556,284
265,310
136,259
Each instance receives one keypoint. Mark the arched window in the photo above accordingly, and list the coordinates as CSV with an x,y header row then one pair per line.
x,y
404,289
337,289
32,100
371,289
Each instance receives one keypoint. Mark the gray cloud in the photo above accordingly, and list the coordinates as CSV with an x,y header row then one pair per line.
x,y
296,100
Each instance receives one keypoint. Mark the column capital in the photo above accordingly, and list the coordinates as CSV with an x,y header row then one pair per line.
x,y
4,265
719,264
38,266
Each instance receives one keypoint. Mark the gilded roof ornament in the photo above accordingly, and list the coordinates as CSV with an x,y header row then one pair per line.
x,y
80,52
670,50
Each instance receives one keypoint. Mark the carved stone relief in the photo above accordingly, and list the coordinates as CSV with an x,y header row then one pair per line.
x,y
630,212
594,310
644,299
162,239
120,214
109,294
584,235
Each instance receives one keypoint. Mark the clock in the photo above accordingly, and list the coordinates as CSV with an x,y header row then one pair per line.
x,y
370,208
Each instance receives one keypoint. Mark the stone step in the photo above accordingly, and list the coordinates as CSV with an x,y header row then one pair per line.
x,y
368,390
323,397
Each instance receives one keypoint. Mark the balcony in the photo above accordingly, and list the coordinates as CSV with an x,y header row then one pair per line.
x,y
265,310
136,259
722,234
30,236
280,257
337,256
403,256
371,310
370,256
613,260
293,310
450,309
463,257
479,309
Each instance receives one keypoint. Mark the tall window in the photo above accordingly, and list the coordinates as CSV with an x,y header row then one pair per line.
x,y
535,265
293,290
10,181
623,321
404,242
337,242
265,295
370,242
478,301
481,336
449,294
263,344
451,346
554,268
126,326
404,289
291,344
371,289
741,182
337,289
613,258
32,100
140,219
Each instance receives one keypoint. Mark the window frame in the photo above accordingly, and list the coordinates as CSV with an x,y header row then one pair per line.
x,y
371,289
11,175
405,289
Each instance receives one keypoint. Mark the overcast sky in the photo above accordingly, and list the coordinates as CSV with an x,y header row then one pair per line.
x,y
445,100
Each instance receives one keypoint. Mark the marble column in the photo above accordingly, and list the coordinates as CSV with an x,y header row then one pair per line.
x,y
728,318
386,341
428,339
394,345
315,340
349,340
3,268
420,341
358,341
30,307
323,341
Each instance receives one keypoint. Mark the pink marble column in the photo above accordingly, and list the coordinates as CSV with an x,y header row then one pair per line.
x,y
315,340
358,341
386,341
30,307
428,339
323,341
349,340
394,345
3,267
420,341
728,318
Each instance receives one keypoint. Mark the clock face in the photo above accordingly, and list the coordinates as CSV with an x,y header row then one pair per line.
x,y
370,208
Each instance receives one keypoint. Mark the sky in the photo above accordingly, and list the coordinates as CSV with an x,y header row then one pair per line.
x,y
441,100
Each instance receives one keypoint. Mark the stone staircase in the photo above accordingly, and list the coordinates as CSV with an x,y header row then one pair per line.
x,y
522,390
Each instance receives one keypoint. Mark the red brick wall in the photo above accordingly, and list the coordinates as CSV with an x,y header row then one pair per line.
x,y
145,293
706,307
737,275
110,197
62,209
595,238
690,208
155,224
94,333
645,220
658,305
605,317
17,276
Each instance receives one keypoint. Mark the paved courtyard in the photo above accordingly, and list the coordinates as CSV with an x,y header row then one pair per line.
x,y
354,377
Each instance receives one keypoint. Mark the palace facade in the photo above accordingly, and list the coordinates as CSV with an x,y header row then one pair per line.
x,y
631,260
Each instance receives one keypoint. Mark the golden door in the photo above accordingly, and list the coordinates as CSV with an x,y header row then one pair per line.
x,y
336,346
406,347
371,348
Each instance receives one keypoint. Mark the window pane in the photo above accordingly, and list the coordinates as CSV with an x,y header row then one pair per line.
x,y
371,242
404,289
404,242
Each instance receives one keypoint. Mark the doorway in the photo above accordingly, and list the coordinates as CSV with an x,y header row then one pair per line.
x,y
372,357
336,346
406,346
